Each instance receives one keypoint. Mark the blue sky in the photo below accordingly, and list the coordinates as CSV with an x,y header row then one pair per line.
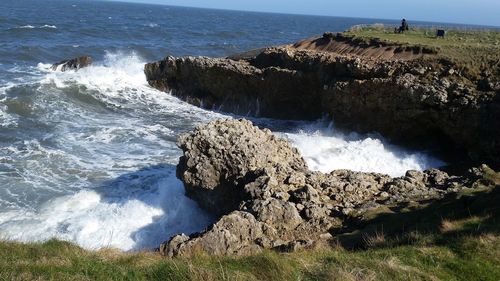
x,y
483,12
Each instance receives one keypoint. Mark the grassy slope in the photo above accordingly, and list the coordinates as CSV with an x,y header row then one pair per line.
x,y
475,50
461,258
455,239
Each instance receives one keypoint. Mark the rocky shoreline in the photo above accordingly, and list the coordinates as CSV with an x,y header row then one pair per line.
x,y
420,101
266,197
261,189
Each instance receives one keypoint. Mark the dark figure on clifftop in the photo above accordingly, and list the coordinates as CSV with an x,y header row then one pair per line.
x,y
403,27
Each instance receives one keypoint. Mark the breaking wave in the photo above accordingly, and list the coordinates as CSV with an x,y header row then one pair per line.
x,y
325,150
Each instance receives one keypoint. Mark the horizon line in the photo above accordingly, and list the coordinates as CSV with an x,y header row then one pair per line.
x,y
300,14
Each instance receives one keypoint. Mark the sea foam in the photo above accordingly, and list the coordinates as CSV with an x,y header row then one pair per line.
x,y
129,218
326,150
94,178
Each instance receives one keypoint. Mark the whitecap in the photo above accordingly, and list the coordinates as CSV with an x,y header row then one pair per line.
x,y
45,26
49,26
44,66
26,27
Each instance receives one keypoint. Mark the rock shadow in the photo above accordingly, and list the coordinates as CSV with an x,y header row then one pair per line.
x,y
442,222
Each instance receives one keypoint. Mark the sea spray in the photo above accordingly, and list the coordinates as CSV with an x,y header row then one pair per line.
x,y
92,176
139,213
326,152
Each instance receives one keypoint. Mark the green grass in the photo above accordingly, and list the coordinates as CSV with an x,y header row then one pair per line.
x,y
453,239
461,257
475,50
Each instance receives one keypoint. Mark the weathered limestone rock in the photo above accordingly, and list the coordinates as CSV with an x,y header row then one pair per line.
x,y
238,233
72,64
267,198
279,213
220,159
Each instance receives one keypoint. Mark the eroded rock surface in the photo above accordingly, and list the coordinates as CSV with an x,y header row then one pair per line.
x,y
267,198
220,160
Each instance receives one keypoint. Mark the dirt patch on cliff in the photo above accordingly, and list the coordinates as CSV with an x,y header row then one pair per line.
x,y
376,50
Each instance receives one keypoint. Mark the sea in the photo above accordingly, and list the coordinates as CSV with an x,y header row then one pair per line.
x,y
89,156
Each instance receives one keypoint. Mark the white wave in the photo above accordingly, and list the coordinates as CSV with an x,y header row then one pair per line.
x,y
44,67
44,169
326,151
45,26
87,147
134,218
48,26
118,71
26,27
152,25
120,82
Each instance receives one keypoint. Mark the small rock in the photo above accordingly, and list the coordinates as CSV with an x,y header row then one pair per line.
x,y
294,246
325,236
297,179
72,64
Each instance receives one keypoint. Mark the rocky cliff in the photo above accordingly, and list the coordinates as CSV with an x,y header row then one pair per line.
x,y
267,198
407,94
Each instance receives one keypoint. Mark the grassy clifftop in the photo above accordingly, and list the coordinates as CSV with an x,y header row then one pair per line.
x,y
476,50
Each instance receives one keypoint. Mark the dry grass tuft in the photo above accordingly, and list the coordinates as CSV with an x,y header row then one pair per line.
x,y
375,240
447,226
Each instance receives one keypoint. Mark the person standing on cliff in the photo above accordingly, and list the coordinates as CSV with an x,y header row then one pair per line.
x,y
404,26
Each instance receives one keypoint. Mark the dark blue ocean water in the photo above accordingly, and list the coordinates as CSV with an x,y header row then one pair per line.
x,y
151,30
90,156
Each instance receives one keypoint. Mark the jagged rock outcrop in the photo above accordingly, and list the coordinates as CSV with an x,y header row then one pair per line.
x,y
219,160
72,64
266,198
415,102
